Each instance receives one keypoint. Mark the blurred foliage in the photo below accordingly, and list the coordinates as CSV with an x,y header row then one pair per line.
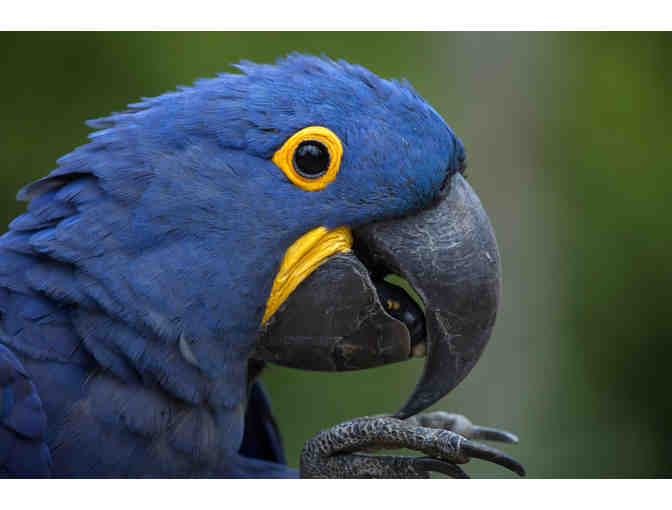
x,y
608,141
568,136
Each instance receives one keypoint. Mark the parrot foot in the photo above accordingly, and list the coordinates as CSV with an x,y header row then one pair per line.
x,y
461,425
332,452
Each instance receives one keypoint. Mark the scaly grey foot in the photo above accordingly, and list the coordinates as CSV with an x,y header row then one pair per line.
x,y
333,453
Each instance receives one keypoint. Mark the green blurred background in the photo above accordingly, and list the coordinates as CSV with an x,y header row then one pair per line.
x,y
569,139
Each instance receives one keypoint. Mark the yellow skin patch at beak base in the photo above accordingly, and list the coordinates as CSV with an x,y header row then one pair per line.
x,y
302,258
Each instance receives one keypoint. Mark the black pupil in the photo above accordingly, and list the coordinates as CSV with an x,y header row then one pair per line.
x,y
311,159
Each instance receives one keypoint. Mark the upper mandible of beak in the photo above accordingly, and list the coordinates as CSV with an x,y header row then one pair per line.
x,y
448,254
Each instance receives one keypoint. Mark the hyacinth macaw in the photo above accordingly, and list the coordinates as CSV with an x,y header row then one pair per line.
x,y
249,218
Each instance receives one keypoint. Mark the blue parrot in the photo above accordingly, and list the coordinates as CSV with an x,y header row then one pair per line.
x,y
249,218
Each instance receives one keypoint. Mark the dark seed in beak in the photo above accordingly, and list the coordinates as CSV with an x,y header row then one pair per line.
x,y
402,307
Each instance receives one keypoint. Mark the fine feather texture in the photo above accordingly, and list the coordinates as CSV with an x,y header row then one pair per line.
x,y
23,423
171,223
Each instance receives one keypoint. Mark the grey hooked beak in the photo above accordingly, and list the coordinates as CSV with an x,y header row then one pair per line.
x,y
337,318
449,256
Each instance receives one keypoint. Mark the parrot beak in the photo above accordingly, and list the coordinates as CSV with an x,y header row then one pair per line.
x,y
449,255
345,317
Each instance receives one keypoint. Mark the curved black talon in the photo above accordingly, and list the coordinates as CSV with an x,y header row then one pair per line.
x,y
440,466
483,452
490,434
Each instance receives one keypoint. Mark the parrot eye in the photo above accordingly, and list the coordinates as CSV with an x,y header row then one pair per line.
x,y
310,158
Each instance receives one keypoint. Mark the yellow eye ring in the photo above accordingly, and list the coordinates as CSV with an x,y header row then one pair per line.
x,y
312,140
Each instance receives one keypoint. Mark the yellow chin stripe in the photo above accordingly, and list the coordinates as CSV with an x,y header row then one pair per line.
x,y
302,258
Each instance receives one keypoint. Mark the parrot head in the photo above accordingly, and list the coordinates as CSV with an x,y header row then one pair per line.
x,y
257,215
372,180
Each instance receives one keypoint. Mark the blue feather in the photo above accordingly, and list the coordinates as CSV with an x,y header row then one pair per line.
x,y
171,223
